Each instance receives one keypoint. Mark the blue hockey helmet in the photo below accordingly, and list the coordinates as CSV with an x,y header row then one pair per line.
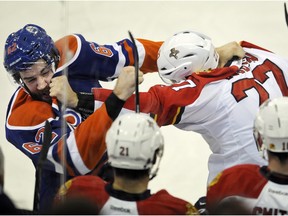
x,y
26,46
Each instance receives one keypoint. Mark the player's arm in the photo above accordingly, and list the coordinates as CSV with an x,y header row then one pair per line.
x,y
87,140
105,61
84,146
167,103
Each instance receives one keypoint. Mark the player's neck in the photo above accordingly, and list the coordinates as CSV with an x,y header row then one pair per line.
x,y
276,167
130,186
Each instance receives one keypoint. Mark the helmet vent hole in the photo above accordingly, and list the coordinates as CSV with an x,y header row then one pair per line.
x,y
189,55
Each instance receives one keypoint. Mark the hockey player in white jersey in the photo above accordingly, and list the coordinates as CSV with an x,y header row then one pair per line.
x,y
222,111
261,190
135,146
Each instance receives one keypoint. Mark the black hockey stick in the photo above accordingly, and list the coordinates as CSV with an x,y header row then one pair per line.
x,y
42,157
286,14
136,65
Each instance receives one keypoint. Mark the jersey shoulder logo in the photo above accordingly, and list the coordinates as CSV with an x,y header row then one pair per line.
x,y
101,50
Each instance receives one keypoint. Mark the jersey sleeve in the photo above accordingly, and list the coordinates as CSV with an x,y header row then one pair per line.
x,y
89,60
77,149
166,104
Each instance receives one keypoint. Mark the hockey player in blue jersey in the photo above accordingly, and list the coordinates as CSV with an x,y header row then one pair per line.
x,y
34,60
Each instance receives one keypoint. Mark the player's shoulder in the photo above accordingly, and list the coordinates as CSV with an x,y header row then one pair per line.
x,y
24,111
167,198
238,174
164,203
88,185
247,44
73,43
242,169
87,181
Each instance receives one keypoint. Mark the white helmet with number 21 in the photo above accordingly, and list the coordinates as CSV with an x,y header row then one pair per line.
x,y
271,125
134,142
184,53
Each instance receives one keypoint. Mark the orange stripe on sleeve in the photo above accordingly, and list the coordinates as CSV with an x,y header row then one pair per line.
x,y
130,52
63,45
151,55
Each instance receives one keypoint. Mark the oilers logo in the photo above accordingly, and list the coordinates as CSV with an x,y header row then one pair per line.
x,y
72,117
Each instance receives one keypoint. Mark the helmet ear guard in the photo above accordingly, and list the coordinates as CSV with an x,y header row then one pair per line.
x,y
270,125
184,53
134,142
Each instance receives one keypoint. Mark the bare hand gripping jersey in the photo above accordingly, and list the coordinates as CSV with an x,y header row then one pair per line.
x,y
220,105
115,202
85,148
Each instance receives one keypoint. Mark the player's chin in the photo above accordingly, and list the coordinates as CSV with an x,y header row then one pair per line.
x,y
42,97
46,98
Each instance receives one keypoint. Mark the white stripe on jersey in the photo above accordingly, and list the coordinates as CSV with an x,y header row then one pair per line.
x,y
75,156
58,167
79,47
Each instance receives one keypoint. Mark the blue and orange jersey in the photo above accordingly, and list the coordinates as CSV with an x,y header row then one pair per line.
x,y
89,62
78,146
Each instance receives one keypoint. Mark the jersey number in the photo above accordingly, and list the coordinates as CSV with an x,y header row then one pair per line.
x,y
240,87
124,151
33,148
101,50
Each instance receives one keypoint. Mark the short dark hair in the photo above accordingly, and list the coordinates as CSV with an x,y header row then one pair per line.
x,y
282,156
131,174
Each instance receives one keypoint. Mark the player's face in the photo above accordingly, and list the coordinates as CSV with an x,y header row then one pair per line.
x,y
37,80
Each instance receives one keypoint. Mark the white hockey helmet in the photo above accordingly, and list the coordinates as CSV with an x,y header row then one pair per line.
x,y
271,125
184,53
134,141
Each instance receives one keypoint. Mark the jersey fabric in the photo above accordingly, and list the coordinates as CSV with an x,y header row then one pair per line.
x,y
111,201
77,147
220,105
89,62
262,192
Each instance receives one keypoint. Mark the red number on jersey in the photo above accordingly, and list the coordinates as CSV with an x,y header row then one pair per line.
x,y
240,87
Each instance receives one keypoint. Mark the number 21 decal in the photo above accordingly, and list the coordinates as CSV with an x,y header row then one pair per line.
x,y
124,151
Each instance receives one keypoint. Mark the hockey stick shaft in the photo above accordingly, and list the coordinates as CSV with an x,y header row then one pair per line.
x,y
136,65
42,157
286,14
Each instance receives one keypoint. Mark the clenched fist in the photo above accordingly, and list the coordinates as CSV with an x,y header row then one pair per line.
x,y
125,85
61,89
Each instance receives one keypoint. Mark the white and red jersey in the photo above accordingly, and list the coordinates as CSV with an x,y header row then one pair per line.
x,y
263,192
220,105
110,201
83,142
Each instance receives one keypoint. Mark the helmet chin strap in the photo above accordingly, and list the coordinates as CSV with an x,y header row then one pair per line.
x,y
155,168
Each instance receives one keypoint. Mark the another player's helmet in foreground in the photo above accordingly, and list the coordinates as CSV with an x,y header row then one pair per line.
x,y
134,142
184,53
26,46
271,125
